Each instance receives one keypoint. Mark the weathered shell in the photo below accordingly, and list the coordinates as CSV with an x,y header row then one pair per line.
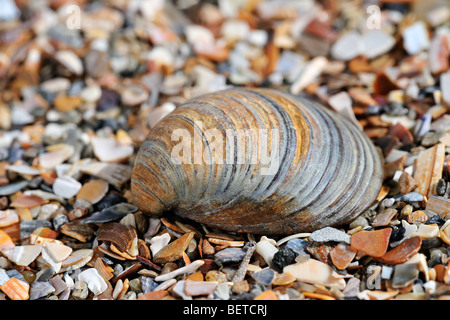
x,y
119,234
325,171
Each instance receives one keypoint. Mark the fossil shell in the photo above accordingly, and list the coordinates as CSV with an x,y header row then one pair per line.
x,y
305,168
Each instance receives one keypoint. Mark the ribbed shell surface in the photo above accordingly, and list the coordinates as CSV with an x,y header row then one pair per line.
x,y
325,171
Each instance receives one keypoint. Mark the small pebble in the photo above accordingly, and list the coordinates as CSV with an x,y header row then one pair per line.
x,y
283,257
412,197
229,255
264,277
80,290
297,245
330,234
240,287
441,187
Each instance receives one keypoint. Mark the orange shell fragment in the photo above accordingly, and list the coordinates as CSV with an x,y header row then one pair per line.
x,y
5,240
16,289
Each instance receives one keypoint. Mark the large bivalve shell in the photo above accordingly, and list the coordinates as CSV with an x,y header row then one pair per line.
x,y
302,167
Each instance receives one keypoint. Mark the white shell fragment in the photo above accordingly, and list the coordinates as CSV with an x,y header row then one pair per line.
x,y
50,160
266,249
342,104
376,43
186,269
415,38
94,281
158,242
70,60
78,259
315,272
109,150
160,112
371,44
22,255
311,71
348,46
66,187
24,169
56,251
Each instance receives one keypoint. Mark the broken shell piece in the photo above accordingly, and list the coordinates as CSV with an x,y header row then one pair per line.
x,y
8,217
56,251
27,201
16,289
312,70
56,156
114,173
43,234
438,54
198,288
342,104
427,231
183,270
266,249
158,242
40,289
227,243
81,232
174,250
315,272
70,60
111,213
94,281
134,95
24,170
93,191
121,235
444,232
105,271
158,113
59,284
348,46
5,240
125,255
106,249
428,170
47,196
66,187
120,289
22,255
78,259
109,150
415,38
376,43
10,188
381,295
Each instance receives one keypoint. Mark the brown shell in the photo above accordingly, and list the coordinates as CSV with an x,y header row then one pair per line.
x,y
325,171
117,233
